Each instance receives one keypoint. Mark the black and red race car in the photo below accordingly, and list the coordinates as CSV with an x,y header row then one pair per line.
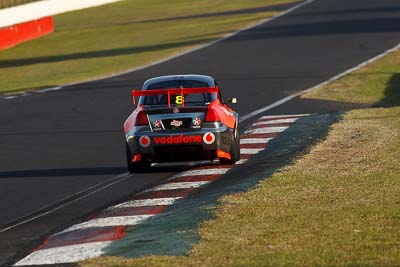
x,y
181,118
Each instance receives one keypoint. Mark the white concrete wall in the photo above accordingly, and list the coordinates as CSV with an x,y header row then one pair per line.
x,y
18,14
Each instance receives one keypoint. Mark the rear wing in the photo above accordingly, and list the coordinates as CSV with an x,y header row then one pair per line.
x,y
173,91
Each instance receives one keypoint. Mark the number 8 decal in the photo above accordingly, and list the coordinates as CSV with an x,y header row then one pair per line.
x,y
179,99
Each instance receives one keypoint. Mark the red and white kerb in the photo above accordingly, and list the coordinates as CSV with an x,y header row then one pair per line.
x,y
208,138
91,237
144,141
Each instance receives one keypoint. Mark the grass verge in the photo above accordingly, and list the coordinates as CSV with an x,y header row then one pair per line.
x,y
338,205
10,3
112,38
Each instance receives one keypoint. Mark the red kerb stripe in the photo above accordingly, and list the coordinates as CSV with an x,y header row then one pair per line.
x,y
82,236
266,135
259,145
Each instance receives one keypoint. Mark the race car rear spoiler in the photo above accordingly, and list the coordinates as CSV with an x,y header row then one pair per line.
x,y
173,91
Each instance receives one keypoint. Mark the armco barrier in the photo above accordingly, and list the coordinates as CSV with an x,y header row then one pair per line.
x,y
13,35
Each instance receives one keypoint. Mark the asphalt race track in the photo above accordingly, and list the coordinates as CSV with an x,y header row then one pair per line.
x,y
63,151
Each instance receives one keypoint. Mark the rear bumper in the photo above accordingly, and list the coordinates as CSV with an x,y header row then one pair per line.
x,y
168,146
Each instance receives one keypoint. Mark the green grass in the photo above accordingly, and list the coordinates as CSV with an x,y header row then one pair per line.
x,y
375,84
338,205
10,3
116,37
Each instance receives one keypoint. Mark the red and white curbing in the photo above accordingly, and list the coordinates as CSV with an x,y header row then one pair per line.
x,y
90,238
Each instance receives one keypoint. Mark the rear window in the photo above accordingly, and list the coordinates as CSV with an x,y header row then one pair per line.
x,y
190,99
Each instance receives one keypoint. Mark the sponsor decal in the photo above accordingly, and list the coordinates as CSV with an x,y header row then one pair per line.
x,y
196,123
157,125
177,139
208,138
144,141
176,123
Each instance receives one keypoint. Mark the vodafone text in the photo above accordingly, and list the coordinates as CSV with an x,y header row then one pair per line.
x,y
176,140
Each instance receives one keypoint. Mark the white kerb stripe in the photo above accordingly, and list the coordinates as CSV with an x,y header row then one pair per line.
x,y
266,130
65,254
291,120
283,116
201,172
255,140
172,186
146,202
247,151
241,161
109,221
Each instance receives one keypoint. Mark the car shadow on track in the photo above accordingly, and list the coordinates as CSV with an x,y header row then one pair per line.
x,y
63,172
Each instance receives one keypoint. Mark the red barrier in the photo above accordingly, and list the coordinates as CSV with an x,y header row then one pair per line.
x,y
16,34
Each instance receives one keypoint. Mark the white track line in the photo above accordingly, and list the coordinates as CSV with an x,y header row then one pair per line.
x,y
146,203
254,140
65,254
266,130
48,89
173,186
109,221
250,151
278,121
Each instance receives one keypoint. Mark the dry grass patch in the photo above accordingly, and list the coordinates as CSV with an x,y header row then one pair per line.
x,y
336,206
374,84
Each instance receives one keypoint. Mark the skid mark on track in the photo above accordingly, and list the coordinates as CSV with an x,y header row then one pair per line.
x,y
89,238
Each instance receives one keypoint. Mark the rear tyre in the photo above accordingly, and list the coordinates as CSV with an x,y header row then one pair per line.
x,y
140,166
234,149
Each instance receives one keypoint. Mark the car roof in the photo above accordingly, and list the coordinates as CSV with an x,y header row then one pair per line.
x,y
204,78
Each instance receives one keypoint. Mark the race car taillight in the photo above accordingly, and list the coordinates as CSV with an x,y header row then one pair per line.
x,y
212,115
141,119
